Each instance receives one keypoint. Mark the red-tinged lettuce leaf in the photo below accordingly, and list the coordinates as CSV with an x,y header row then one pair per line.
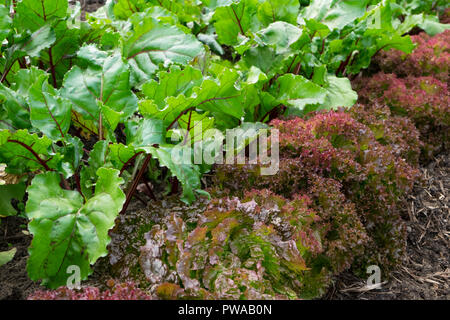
x,y
68,231
236,249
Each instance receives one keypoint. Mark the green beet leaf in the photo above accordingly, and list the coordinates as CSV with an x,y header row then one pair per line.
x,y
24,152
235,19
15,112
298,92
335,14
28,45
175,159
66,231
145,132
172,83
278,10
50,113
153,43
91,89
5,23
33,14
339,93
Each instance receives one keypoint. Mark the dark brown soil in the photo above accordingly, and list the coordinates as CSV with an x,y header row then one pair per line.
x,y
425,273
89,5
14,281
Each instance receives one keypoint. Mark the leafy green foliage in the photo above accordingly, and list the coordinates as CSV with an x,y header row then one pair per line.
x,y
101,94
66,231
5,22
90,109
152,43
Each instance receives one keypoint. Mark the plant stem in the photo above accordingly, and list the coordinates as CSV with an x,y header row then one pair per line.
x,y
135,183
126,164
52,67
39,159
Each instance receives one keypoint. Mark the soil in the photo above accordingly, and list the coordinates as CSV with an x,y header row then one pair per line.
x,y
88,5
425,272
14,281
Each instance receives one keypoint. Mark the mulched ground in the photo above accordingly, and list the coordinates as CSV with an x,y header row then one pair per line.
x,y
14,281
425,272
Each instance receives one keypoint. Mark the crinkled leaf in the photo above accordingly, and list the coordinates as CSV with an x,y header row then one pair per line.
x,y
110,86
25,152
66,231
49,112
298,92
5,23
33,14
152,43
336,14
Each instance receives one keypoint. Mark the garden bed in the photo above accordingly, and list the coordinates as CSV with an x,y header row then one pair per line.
x,y
362,180
423,275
